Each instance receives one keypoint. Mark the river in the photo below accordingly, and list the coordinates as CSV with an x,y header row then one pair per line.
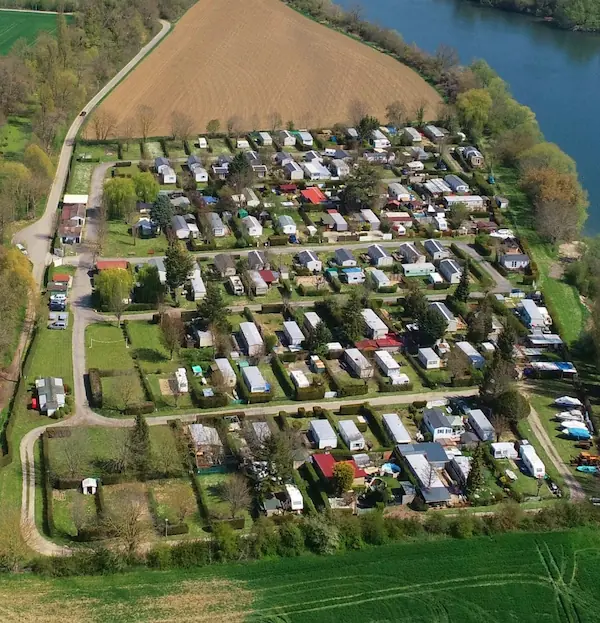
x,y
554,72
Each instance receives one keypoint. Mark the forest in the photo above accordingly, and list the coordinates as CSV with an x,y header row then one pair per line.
x,y
568,14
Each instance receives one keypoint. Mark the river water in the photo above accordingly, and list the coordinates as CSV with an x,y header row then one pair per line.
x,y
554,72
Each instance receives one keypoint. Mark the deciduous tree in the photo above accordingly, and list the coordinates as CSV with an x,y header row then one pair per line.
x,y
235,492
213,126
146,119
162,212
104,123
172,333
182,125
396,113
179,263
113,289
146,187
474,109
343,477
119,197
352,320
126,521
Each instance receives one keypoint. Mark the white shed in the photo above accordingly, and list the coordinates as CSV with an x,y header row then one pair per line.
x,y
504,450
226,371
322,434
251,226
251,338
311,321
359,364
89,486
181,380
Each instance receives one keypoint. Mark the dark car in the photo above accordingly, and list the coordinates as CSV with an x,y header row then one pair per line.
x,y
57,306
82,113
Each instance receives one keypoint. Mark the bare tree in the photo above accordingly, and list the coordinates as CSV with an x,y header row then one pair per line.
x,y
419,113
254,122
221,339
104,123
357,109
234,124
167,459
126,521
118,303
126,390
74,451
182,502
275,121
182,125
146,120
236,493
78,513
126,131
172,332
121,455
306,119
396,113
500,423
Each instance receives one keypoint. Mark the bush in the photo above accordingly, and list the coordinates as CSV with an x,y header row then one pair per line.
x,y
48,514
278,241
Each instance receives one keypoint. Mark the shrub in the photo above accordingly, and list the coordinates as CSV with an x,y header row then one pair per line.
x,y
140,408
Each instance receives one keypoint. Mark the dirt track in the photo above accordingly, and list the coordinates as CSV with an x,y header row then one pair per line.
x,y
249,58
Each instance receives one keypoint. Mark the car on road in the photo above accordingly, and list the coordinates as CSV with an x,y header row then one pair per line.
x,y
58,306
21,248
83,113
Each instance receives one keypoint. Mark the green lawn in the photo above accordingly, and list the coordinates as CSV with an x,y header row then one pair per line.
x,y
147,345
105,348
120,243
51,354
113,388
15,25
104,153
15,135
172,494
63,505
211,484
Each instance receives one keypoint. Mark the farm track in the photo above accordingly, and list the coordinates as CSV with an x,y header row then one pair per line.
x,y
249,58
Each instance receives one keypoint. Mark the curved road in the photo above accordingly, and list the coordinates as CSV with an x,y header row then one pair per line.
x,y
38,236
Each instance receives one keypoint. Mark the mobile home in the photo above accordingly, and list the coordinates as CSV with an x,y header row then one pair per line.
x,y
351,435
358,363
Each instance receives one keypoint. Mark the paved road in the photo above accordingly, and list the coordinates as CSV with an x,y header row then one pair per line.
x,y
38,236
575,489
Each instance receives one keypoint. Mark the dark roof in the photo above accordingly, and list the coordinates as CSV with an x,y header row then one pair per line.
x,y
341,255
436,417
223,260
432,450
515,257
435,495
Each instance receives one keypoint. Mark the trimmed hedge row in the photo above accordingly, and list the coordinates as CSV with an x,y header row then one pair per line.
x,y
95,380
282,376
47,509
376,424
307,471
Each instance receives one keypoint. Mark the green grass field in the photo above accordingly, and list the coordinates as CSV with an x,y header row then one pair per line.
x,y
15,25
514,577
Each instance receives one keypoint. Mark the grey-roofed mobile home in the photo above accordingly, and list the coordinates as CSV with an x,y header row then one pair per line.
x,y
450,270
292,332
457,184
360,365
447,314
379,257
344,258
395,428
481,425
322,434
351,435
216,225
224,264
251,338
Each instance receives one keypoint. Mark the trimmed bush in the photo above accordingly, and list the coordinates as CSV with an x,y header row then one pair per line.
x,y
141,408
95,379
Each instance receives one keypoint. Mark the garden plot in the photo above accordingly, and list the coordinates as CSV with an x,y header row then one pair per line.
x,y
153,149
119,392
80,178
105,348
176,503
217,507
103,153
70,507
117,495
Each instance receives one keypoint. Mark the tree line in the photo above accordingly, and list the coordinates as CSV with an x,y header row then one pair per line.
x,y
581,15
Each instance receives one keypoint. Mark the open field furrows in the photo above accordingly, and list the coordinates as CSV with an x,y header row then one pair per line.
x,y
16,25
249,58
550,577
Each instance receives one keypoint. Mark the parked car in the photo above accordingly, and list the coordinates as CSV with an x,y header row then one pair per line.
x,y
21,248
58,306
58,325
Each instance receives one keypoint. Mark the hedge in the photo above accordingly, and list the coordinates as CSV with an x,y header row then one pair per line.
x,y
272,308
376,424
99,500
351,409
282,376
309,506
278,241
95,380
249,315
48,514
314,482
427,381
386,386
314,392
208,402
141,408
236,524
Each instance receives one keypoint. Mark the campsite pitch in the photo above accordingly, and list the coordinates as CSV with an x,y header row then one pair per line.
x,y
15,25
251,58
551,577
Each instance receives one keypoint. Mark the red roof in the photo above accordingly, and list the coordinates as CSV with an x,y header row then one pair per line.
x,y
108,264
314,195
326,463
268,276
61,278
332,212
389,341
288,188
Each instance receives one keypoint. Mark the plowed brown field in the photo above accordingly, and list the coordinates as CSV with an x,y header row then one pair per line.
x,y
250,58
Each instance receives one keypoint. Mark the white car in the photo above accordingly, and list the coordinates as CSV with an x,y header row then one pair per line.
x,y
21,248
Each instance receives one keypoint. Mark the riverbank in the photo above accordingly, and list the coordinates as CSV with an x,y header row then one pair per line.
x,y
578,17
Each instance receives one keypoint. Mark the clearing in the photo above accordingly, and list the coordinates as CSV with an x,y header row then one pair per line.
x,y
315,73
